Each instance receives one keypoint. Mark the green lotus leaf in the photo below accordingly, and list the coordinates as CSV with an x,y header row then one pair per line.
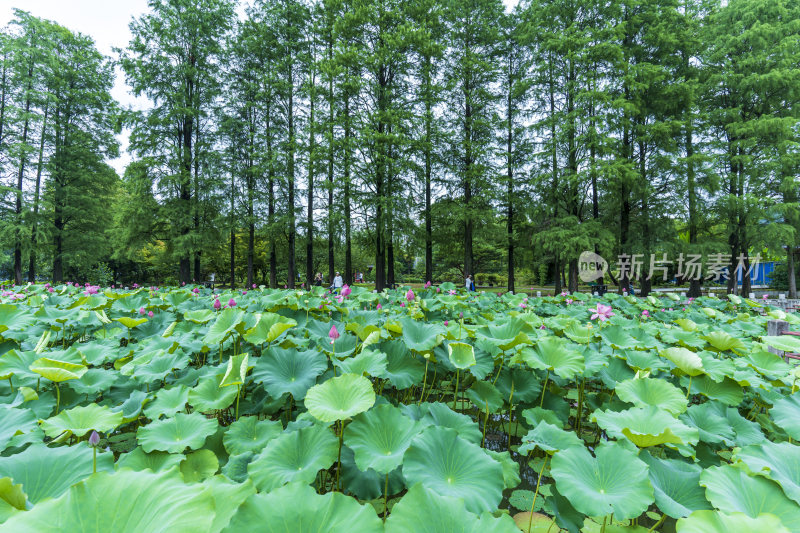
x,y
208,395
370,362
402,369
687,361
160,366
715,367
199,466
727,391
451,466
423,510
722,341
618,337
129,322
420,336
368,484
440,415
249,434
711,424
12,497
646,426
555,355
767,363
294,456
94,381
289,371
506,335
510,468
236,371
615,481
379,438
17,364
784,343
79,421
549,438
14,318
58,371
138,459
14,421
779,461
168,402
731,489
676,485
644,392
718,522
534,415
48,472
176,434
461,354
297,508
226,323
786,414
340,398
199,316
124,502
525,384
485,396
269,327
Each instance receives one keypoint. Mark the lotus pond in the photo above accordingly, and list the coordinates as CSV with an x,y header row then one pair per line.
x,y
441,411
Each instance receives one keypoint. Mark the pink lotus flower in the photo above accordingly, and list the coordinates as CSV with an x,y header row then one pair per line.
x,y
663,309
427,284
379,307
333,334
183,283
217,304
141,310
460,315
602,312
320,306
150,314
684,309
135,285
254,286
522,305
564,293
231,303
50,289
645,313
340,299
244,292
542,326
196,290
285,286
765,296
446,323
346,291
452,292
402,304
410,295
438,289
94,439
569,301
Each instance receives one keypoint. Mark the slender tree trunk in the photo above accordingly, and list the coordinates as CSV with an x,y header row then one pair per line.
x,y
331,120
646,283
390,278
35,222
310,201
791,268
694,284
348,243
554,162
273,260
380,170
233,232
20,175
290,171
510,173
251,225
428,168
196,204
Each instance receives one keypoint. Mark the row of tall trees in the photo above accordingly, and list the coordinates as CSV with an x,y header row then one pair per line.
x,y
291,137
57,123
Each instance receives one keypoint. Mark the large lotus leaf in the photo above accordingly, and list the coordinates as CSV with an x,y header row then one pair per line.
x,y
199,316
534,415
340,398
227,321
289,371
138,459
268,328
451,466
370,362
506,335
524,383
723,341
14,318
94,381
48,472
618,337
130,322
379,437
685,360
747,432
12,498
718,522
81,420
778,461
646,426
644,392
554,354
647,361
208,395
17,364
767,363
677,486
785,343
160,366
14,421
420,336
175,434
297,508
402,369
249,434
731,489
124,502
423,510
294,456
712,425
58,371
461,354
199,466
440,415
615,481
786,414
133,405
485,396
168,402
549,438
726,391
715,367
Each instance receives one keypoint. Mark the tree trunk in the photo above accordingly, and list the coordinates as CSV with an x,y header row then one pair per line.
x,y
35,222
790,267
428,170
290,171
348,243
20,176
331,119
510,173
196,203
310,200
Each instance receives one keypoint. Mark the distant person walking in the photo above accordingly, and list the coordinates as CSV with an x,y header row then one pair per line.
x,y
318,279
470,283
338,283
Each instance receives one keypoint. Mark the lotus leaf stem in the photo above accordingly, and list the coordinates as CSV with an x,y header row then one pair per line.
x,y
603,529
341,440
424,382
94,459
660,521
544,388
510,411
238,392
502,360
486,421
386,497
690,387
58,397
536,492
455,394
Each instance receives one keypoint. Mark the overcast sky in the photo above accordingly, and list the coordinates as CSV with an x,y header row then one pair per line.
x,y
106,21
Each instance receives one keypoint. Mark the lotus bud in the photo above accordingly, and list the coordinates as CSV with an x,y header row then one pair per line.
x,y
346,291
410,295
217,305
141,310
150,314
379,307
333,333
94,439
231,303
